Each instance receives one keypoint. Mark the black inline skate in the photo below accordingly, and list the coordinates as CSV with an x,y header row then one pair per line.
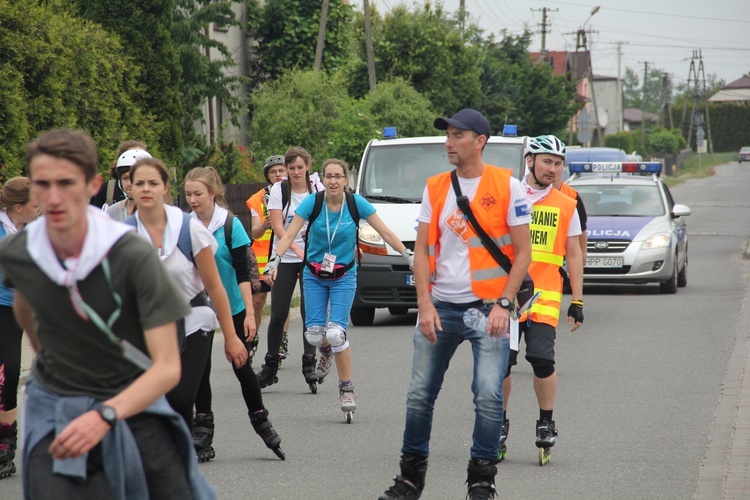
x,y
265,430
545,439
252,348
480,479
308,371
267,374
283,348
8,439
409,484
203,436
503,449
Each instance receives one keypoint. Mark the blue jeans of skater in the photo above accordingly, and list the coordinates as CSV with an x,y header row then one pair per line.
x,y
319,293
429,364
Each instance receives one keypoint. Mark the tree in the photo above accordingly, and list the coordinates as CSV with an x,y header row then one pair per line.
x,y
204,77
425,47
632,90
145,29
59,71
288,33
518,91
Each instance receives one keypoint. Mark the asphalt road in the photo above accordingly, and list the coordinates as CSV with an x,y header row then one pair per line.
x,y
638,391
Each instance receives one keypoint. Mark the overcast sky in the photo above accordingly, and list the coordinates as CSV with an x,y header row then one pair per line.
x,y
662,32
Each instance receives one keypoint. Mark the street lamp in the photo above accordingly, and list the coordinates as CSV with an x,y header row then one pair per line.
x,y
593,11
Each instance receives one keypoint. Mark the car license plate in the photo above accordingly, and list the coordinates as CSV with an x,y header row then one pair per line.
x,y
409,280
605,262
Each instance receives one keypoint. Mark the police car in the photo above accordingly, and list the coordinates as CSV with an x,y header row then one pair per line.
x,y
636,232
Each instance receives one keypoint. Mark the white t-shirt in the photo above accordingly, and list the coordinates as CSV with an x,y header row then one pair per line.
x,y
186,274
452,272
274,203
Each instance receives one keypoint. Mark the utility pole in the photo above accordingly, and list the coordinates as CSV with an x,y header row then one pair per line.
x,y
619,85
544,25
643,102
462,14
321,36
211,124
368,46
666,98
698,91
582,43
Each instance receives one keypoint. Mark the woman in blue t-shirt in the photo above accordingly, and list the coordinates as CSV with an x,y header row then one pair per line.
x,y
17,208
204,192
330,272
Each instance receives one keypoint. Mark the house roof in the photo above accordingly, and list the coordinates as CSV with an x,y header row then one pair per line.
x,y
576,64
633,115
740,83
731,95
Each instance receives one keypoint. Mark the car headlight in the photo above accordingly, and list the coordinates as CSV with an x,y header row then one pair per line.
x,y
658,240
370,240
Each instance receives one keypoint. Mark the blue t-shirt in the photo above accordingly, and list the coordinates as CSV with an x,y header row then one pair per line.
x,y
6,294
344,243
224,263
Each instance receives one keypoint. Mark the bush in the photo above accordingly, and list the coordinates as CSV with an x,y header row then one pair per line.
x,y
662,141
621,140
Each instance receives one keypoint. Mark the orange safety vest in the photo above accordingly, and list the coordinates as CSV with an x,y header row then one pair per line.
x,y
568,191
490,206
550,220
262,245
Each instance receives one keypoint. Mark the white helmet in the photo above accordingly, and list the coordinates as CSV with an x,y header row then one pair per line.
x,y
129,157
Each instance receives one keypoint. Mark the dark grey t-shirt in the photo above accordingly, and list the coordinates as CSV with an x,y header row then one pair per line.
x,y
76,358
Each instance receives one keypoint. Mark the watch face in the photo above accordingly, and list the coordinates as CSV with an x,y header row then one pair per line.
x,y
504,303
109,413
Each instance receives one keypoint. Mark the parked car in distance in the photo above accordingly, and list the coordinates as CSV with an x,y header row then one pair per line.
x,y
744,154
636,232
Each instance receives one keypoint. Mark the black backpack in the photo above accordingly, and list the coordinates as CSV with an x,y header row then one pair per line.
x,y
317,208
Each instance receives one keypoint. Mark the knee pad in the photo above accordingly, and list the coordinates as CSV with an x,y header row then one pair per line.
x,y
335,335
543,368
315,335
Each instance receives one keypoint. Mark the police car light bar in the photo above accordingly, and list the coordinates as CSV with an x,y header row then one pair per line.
x,y
653,167
510,130
389,133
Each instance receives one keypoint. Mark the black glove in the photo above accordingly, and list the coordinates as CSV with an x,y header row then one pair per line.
x,y
575,310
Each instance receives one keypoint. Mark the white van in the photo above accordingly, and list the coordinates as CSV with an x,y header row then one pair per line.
x,y
392,177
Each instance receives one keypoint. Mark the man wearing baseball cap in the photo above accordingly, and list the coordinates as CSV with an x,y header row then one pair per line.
x,y
454,272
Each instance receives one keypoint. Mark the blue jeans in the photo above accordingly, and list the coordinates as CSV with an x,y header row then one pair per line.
x,y
429,364
319,293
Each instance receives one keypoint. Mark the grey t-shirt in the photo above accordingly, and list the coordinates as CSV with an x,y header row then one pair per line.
x,y
76,358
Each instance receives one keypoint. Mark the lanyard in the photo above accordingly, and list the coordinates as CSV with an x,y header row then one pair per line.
x,y
328,227
86,312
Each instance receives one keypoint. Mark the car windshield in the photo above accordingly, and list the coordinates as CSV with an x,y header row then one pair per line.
x,y
611,200
745,150
401,170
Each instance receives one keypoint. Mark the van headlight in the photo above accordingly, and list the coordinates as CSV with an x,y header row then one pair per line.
x,y
658,240
370,240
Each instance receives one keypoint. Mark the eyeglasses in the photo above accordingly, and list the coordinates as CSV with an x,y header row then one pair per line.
x,y
278,171
329,177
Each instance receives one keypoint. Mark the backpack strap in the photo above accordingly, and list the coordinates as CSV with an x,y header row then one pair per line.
x,y
111,191
184,242
352,204
228,230
317,208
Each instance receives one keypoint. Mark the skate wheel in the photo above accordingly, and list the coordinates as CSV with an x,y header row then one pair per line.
x,y
502,453
349,416
544,456
313,387
279,452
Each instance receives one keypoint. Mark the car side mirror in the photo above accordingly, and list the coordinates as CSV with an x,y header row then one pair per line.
x,y
680,210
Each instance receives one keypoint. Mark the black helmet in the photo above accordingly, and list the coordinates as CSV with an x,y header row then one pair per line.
x,y
272,161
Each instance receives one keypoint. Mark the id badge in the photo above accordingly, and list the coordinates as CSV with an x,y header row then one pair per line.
x,y
329,261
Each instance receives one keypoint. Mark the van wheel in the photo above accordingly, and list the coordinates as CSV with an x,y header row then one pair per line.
x,y
362,316
670,286
398,311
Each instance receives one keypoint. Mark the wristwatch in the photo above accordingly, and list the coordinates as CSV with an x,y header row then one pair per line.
x,y
107,413
505,303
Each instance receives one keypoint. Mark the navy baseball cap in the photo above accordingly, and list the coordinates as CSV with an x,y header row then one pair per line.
x,y
466,119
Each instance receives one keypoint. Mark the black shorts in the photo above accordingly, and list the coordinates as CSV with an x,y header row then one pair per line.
x,y
540,341
264,287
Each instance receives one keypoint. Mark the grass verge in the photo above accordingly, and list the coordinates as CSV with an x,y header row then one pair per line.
x,y
692,168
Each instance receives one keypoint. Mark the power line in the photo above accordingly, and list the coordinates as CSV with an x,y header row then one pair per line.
x,y
701,18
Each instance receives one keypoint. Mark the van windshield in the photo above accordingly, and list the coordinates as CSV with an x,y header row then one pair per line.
x,y
401,170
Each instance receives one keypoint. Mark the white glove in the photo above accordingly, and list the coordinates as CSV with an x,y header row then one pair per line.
x,y
409,256
272,264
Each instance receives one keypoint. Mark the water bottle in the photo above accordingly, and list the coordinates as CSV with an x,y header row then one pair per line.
x,y
475,319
